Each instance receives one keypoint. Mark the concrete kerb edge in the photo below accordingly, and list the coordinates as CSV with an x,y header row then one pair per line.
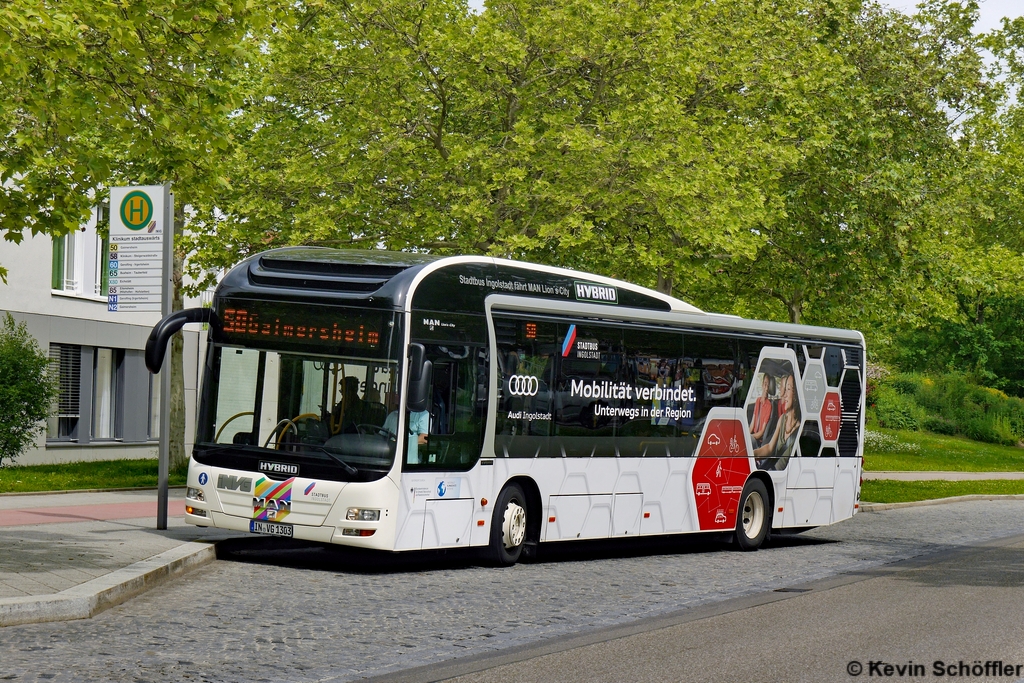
x,y
92,597
880,507
58,493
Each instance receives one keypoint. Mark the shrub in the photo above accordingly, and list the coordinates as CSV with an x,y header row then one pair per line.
x,y
895,410
939,425
952,403
26,391
906,384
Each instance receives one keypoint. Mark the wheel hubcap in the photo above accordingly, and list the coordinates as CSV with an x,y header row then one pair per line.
x,y
513,527
753,515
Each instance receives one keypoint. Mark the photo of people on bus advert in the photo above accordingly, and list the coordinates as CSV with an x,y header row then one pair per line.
x,y
774,414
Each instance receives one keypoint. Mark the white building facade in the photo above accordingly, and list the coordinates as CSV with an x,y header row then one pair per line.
x,y
109,404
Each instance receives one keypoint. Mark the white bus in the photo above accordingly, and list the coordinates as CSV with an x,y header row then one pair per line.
x,y
402,402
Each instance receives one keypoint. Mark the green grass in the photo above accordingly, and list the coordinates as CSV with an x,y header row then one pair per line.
x,y
944,453
889,491
108,474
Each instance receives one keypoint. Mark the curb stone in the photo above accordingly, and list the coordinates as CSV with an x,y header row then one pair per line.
x,y
57,493
879,507
92,597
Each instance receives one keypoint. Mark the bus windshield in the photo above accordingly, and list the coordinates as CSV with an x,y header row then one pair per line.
x,y
338,413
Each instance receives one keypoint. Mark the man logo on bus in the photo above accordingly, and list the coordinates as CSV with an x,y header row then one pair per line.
x,y
136,210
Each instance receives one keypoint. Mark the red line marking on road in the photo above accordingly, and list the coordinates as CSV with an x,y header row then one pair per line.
x,y
86,513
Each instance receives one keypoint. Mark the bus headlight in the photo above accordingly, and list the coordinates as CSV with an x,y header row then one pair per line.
x,y
195,494
362,515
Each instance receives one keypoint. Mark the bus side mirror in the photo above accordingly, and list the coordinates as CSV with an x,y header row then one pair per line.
x,y
156,345
420,371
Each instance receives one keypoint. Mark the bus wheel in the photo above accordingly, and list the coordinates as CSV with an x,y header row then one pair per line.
x,y
752,522
508,526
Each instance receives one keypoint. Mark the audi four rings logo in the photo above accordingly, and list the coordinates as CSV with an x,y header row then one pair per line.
x,y
523,385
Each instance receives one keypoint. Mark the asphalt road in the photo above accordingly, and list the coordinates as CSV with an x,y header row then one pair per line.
x,y
286,612
957,615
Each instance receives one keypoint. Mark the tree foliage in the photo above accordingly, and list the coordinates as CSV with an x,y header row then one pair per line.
x,y
101,92
26,391
624,137
824,161
884,183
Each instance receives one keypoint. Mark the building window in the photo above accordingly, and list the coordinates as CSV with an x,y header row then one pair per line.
x,y
100,287
63,275
107,393
103,266
81,259
66,364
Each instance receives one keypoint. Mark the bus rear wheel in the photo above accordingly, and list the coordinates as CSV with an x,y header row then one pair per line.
x,y
752,520
508,526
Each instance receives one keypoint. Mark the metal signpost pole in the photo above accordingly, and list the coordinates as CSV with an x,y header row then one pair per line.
x,y
139,280
165,371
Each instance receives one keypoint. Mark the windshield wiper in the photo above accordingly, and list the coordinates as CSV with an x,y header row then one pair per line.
x,y
220,448
333,456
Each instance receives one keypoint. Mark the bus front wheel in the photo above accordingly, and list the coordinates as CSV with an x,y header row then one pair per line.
x,y
508,526
752,520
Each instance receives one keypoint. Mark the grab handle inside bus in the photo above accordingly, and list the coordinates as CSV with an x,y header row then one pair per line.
x,y
162,332
420,371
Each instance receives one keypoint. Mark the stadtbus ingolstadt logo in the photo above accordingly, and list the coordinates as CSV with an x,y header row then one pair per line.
x,y
137,210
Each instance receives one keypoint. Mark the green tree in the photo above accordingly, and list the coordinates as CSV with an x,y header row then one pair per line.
x,y
98,93
885,187
624,137
26,390
103,92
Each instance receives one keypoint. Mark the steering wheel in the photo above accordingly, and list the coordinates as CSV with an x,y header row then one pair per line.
x,y
287,424
216,439
370,429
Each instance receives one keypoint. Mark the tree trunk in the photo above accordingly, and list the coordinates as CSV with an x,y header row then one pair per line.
x,y
664,283
178,457
795,309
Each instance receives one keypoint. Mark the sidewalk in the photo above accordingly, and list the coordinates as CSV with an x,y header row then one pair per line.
x,y
942,476
72,555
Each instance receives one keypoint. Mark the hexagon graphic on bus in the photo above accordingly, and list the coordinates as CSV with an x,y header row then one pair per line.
x,y
721,468
814,385
774,408
831,416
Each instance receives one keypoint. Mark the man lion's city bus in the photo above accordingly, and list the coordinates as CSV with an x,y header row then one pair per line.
x,y
402,401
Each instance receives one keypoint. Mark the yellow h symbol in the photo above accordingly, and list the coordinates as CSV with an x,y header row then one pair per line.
x,y
136,210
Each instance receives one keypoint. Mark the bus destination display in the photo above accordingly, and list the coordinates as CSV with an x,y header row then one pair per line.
x,y
280,324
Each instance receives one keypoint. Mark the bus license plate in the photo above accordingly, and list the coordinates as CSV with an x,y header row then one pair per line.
x,y
270,528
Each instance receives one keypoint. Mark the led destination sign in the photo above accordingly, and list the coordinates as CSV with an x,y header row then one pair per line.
x,y
278,325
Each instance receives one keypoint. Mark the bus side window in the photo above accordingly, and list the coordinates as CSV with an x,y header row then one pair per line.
x,y
457,406
526,351
712,362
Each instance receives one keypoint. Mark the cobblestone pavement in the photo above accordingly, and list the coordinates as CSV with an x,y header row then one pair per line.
x,y
44,558
269,613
